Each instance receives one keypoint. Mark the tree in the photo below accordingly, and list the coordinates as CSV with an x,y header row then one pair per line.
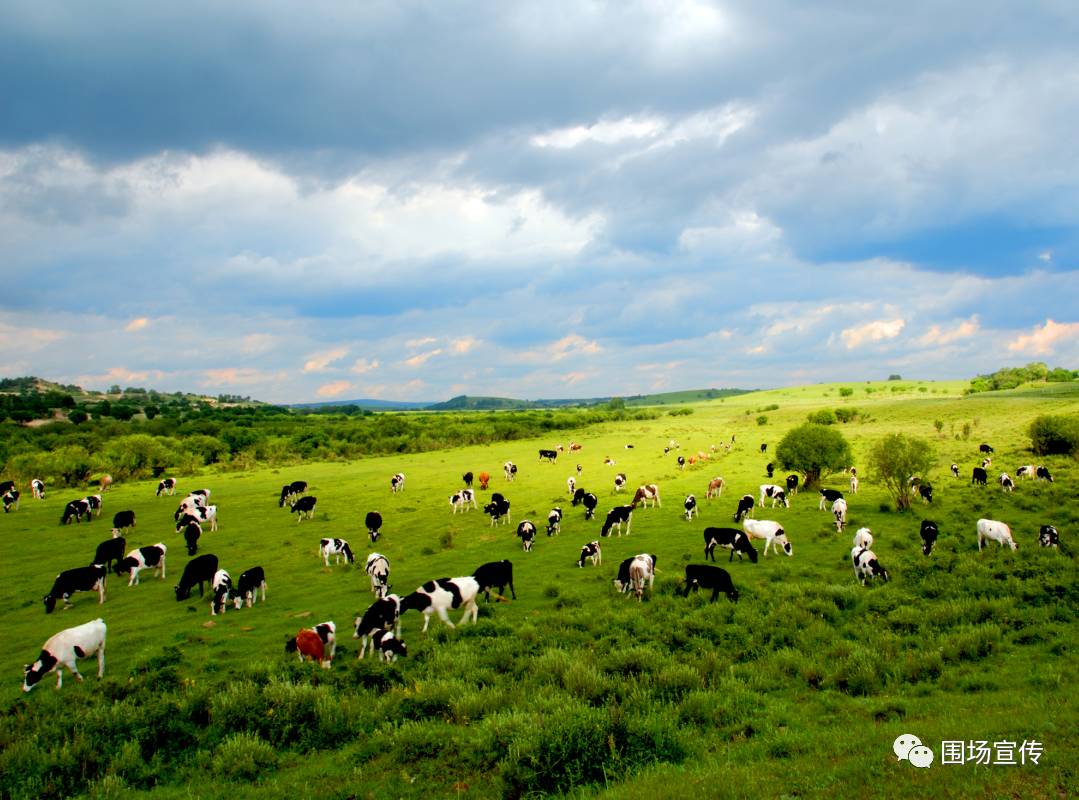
x,y
813,450
895,460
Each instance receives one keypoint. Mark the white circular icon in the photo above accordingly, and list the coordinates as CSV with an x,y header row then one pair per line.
x,y
904,743
920,756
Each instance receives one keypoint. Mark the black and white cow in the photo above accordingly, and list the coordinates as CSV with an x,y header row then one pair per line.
x,y
571,485
731,538
593,553
151,557
498,509
220,591
771,531
464,499
925,491
93,501
387,645
828,496
378,568
188,506
122,520
526,532
978,476
929,533
373,522
492,574
337,548
1043,474
6,486
867,565
305,507
80,579
645,494
110,553
792,484
192,534
1025,472
554,521
10,499
615,517
442,595
383,614
251,583
197,571
776,493
397,482
986,462
166,486
633,572
510,470
64,649
984,448
705,576
955,470
690,505
745,508
550,455
1048,536
37,488
290,491
681,462
863,538
75,510
839,511
1006,482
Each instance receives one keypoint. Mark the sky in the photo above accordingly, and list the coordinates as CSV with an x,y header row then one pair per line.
x,y
414,200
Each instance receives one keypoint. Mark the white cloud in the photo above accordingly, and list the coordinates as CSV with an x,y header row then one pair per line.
x,y
421,342
1044,340
875,331
362,366
422,358
936,335
464,345
320,362
136,324
572,345
334,389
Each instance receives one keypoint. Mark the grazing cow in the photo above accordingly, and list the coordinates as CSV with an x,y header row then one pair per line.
x,y
866,565
93,501
770,469
510,470
122,520
220,589
646,493
992,531
206,514
854,484
378,568
615,517
633,572
715,488
498,509
925,491
63,650
192,534
733,539
80,579
593,553
608,461
929,533
104,484
466,479
397,482
1043,474
984,448
863,538
839,511
388,646
11,500
290,491
337,548
772,532
200,496
1048,536
1006,482
979,476
829,496
550,455
318,643
681,462
251,582
1027,471
75,510
986,462
620,481
492,574
464,499
110,553
764,447
690,505
705,576
574,447
37,487
745,508
589,500
776,493
152,557
305,506
166,486
571,485
485,478
373,521
792,484
554,521
439,596
955,470
526,532
198,571
383,614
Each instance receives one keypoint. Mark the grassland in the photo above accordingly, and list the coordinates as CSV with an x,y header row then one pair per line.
x,y
799,690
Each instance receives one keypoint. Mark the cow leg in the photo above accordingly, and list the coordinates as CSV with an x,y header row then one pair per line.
x,y
715,594
101,660
445,617
59,677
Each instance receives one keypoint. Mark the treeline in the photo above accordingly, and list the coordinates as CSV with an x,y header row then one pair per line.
x,y
183,441
1011,377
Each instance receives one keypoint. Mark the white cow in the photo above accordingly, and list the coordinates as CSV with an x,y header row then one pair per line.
x,y
63,649
993,531
839,511
771,531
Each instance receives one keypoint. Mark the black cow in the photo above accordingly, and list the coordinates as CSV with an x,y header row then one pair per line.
x,y
764,447
467,479
745,505
383,614
1044,475
80,579
984,448
929,533
706,576
829,496
75,510
926,492
305,506
198,571
792,484
979,476
192,534
492,574
109,551
6,486
550,455
290,490
733,539
373,521
122,520
615,517
770,469
248,586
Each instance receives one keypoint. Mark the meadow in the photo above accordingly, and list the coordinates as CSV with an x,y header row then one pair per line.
x,y
798,690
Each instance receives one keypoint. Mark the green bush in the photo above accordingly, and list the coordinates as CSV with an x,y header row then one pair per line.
x,y
244,757
1054,435
823,417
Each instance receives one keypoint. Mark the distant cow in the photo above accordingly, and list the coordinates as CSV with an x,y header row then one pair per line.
x,y
588,500
571,485
484,478
151,557
1027,472
378,569
649,492
248,587
705,576
290,491
690,505
192,534
75,510
305,507
80,579
492,574
731,538
63,649
592,552
863,538
745,508
984,448
166,486
764,447
122,520
526,532
929,533
866,565
198,571
955,470
715,488
550,455
776,493
615,517
839,511
769,469
925,491
464,499
620,481
978,476
1043,474
338,548
37,487
466,479
1006,482
373,521
792,484
992,531
554,521
829,496
397,482
10,500
510,470
498,509
1048,536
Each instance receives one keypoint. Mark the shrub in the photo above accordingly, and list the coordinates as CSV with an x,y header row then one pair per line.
x,y
897,458
762,420
823,417
845,391
1054,435
243,757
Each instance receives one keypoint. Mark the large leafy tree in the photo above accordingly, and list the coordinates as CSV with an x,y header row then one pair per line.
x,y
813,450
897,458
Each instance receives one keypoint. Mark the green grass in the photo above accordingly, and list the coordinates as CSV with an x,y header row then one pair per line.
x,y
798,690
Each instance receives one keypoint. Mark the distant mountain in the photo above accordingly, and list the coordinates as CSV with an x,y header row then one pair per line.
x,y
468,403
367,404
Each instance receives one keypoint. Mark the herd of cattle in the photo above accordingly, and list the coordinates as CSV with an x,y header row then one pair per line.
x,y
379,626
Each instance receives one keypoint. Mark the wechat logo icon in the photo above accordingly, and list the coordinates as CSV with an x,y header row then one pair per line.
x,y
910,748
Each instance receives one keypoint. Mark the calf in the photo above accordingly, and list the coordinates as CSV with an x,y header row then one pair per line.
x,y
37,488
122,520
620,481
690,505
498,509
593,553
397,482
929,533
192,534
615,517
221,589
776,493
571,485
645,494
198,571
839,511
925,491
166,486
318,643
829,496
526,532
866,565
993,531
510,470
152,557
305,506
550,455
1048,536
439,596
464,499
378,568
485,478
792,484
1006,482
863,538
110,552
715,488
63,650
492,574
705,576
75,510
978,476
731,538
745,508
772,532
554,521
1027,472
373,522
955,470
10,500
387,644
80,579
467,479
251,582
1043,474
337,548
383,614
